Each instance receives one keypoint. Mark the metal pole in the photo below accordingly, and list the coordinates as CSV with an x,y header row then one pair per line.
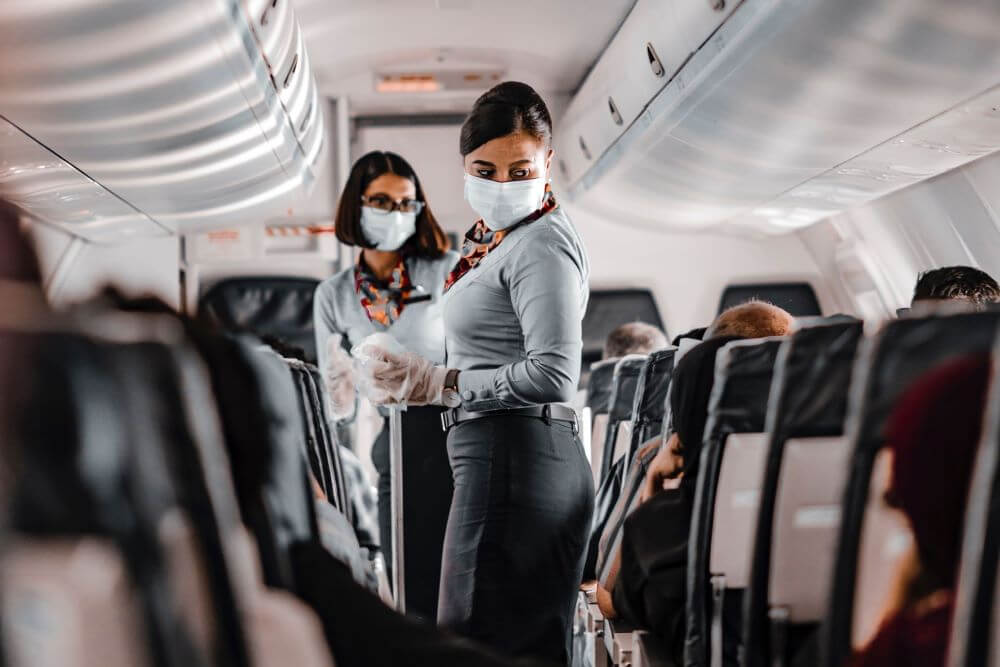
x,y
396,475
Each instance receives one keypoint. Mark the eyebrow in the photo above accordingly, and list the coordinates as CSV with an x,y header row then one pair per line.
x,y
484,163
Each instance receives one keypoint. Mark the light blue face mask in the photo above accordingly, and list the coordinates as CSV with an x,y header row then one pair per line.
x,y
387,230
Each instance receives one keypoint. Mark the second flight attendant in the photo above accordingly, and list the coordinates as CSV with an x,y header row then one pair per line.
x,y
395,287
513,554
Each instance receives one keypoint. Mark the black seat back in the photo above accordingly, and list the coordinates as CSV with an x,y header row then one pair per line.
x,y
281,307
738,406
264,435
975,634
650,404
602,375
623,388
808,400
901,351
84,468
170,401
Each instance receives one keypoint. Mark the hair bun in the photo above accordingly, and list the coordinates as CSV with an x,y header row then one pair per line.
x,y
514,93
508,107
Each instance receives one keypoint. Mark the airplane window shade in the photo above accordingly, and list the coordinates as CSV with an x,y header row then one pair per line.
x,y
799,299
265,306
609,309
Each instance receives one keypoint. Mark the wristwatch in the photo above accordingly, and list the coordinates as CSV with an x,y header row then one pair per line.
x,y
450,396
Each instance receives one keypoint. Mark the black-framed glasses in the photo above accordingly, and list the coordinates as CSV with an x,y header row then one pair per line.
x,y
387,205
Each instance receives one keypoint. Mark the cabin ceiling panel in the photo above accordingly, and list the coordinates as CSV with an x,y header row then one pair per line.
x,y
192,112
550,45
793,111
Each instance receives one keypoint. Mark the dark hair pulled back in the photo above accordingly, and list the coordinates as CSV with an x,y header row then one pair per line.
x,y
504,109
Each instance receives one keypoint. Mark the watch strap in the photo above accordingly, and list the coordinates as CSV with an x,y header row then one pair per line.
x,y
451,379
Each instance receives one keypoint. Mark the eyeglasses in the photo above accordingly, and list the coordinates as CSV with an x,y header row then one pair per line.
x,y
386,205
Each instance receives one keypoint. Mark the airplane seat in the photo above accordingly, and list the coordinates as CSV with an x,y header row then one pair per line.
x,y
245,611
322,457
277,306
738,407
330,445
625,381
648,410
650,407
975,632
173,408
263,433
598,399
85,575
803,479
887,364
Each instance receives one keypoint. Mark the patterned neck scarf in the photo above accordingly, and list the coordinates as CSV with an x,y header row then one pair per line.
x,y
481,240
383,301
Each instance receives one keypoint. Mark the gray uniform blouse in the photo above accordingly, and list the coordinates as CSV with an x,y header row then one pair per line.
x,y
513,324
337,309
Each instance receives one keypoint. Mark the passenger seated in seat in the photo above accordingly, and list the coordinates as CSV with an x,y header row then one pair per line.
x,y
650,590
753,319
933,435
957,283
634,338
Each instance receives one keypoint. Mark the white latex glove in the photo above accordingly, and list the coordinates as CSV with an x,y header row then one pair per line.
x,y
338,378
388,373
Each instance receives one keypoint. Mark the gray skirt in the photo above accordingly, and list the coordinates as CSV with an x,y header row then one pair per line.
x,y
517,534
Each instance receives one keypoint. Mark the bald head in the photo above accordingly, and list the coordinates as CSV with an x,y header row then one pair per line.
x,y
754,319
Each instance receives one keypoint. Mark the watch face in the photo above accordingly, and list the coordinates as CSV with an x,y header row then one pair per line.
x,y
451,398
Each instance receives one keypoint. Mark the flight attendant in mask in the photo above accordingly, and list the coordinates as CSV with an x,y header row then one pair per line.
x,y
395,286
514,550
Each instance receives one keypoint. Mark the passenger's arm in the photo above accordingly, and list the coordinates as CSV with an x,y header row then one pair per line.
x,y
546,287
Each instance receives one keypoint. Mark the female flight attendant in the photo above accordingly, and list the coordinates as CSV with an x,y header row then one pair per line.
x,y
395,286
513,553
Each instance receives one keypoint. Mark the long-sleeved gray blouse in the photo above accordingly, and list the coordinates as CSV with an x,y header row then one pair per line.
x,y
513,324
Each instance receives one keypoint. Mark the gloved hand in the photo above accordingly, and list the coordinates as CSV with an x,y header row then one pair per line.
x,y
389,373
338,378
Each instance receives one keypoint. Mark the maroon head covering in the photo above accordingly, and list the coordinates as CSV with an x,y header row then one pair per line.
x,y
934,433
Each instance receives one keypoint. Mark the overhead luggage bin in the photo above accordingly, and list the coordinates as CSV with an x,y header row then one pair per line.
x,y
183,114
781,113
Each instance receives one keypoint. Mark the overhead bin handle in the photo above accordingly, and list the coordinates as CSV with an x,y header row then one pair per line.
x,y
654,60
615,114
291,71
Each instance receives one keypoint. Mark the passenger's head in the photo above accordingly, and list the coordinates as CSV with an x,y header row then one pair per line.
x,y
383,206
634,338
753,319
957,283
933,434
690,390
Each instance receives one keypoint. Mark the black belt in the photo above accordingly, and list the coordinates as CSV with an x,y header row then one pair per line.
x,y
550,412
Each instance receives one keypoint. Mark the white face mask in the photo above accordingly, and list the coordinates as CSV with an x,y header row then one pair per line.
x,y
387,231
503,205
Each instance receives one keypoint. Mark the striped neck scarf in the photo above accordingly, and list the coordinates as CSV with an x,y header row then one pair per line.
x,y
383,301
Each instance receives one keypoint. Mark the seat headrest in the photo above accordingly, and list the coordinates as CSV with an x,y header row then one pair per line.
x,y
811,380
281,307
623,386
